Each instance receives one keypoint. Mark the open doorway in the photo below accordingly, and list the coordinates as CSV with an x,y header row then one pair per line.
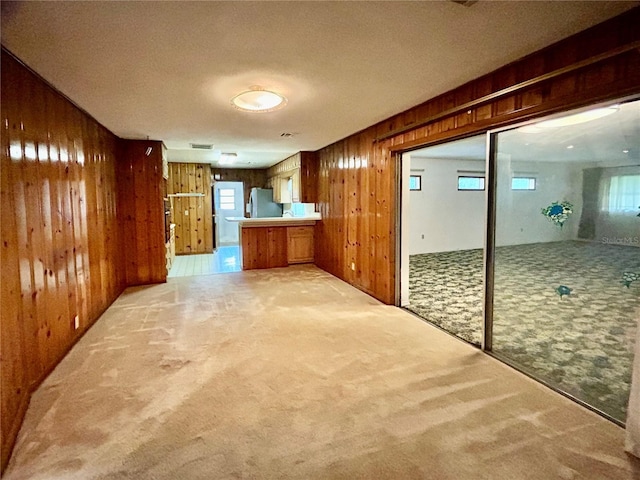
x,y
443,229
206,243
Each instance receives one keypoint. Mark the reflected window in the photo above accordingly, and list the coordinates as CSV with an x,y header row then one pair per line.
x,y
523,183
415,182
470,183
623,194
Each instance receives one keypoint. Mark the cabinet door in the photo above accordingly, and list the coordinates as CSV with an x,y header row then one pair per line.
x,y
295,187
300,244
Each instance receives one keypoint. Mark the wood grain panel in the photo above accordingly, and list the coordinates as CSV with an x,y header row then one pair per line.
x,y
253,241
141,209
264,247
356,239
194,232
60,240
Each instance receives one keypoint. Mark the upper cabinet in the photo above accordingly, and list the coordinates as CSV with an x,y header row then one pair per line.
x,y
295,179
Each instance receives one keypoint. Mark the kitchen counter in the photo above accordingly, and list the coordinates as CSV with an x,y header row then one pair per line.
x,y
274,221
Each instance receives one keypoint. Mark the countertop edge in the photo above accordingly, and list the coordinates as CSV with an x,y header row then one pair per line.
x,y
287,222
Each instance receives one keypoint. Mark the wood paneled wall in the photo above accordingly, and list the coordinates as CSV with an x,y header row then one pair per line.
x,y
309,177
249,177
141,211
61,252
192,215
357,178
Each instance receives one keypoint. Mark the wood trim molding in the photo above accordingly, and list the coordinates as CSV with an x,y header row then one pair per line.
x,y
512,89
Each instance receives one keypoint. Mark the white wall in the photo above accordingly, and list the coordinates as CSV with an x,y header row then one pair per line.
x,y
455,220
227,232
518,216
448,219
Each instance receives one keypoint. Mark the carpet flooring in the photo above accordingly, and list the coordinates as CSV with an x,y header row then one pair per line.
x,y
566,312
292,374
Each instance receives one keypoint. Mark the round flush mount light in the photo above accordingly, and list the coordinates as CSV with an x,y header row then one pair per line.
x,y
575,119
258,100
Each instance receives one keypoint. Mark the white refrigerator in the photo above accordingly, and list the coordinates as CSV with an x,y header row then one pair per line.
x,y
261,204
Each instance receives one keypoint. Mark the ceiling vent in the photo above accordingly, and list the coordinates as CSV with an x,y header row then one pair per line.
x,y
286,135
202,146
465,3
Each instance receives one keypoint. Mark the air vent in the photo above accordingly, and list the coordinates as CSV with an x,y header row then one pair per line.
x,y
201,146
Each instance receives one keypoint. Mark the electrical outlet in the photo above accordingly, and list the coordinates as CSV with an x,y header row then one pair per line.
x,y
76,322
353,266
186,212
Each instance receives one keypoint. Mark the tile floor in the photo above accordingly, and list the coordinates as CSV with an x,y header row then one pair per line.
x,y
223,260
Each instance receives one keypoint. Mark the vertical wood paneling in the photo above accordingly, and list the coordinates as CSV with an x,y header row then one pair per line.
x,y
60,245
264,247
140,204
194,231
308,177
358,207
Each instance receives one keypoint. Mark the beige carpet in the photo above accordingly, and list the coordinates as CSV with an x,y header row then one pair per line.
x,y
291,373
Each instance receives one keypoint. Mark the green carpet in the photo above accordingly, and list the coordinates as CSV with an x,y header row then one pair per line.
x,y
580,341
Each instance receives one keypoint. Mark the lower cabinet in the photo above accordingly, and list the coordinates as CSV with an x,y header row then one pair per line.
x,y
264,247
300,244
270,247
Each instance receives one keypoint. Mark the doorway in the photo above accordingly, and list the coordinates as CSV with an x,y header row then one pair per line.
x,y
443,209
534,253
226,199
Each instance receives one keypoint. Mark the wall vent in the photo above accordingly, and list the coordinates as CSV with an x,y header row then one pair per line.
x,y
201,146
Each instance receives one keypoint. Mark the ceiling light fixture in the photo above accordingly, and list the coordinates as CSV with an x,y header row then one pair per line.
x,y
625,151
258,100
569,147
228,158
575,119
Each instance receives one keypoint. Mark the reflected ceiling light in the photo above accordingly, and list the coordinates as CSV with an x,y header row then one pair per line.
x,y
569,147
625,151
575,119
258,100
530,129
228,158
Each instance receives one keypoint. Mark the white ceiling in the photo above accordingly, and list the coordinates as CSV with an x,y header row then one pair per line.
x,y
167,70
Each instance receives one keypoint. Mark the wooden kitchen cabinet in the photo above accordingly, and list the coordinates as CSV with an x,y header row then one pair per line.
x,y
302,169
295,182
264,247
300,244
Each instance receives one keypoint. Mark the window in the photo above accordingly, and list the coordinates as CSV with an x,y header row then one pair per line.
x,y
227,199
624,193
523,183
470,183
415,182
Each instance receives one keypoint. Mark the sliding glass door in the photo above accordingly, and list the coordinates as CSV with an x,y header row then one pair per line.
x,y
559,266
566,277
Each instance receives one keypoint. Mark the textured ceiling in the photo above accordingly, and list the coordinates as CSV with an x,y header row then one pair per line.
x,y
167,70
